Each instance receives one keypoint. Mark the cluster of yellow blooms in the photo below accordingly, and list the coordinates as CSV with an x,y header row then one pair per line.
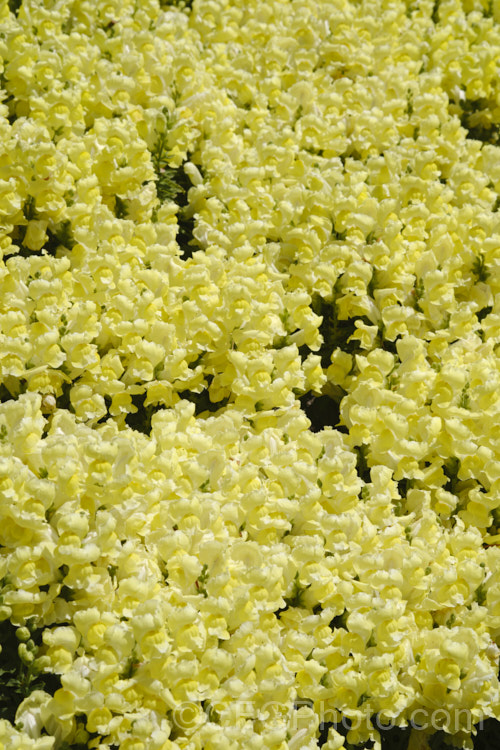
x,y
212,217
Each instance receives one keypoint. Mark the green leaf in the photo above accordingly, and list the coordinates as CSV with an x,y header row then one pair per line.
x,y
479,268
202,580
296,598
409,102
121,207
67,593
464,401
14,6
29,208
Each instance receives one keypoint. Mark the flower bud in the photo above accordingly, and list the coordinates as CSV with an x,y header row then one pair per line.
x,y
24,654
23,634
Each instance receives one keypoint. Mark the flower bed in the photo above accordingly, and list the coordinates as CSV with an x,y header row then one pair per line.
x,y
249,374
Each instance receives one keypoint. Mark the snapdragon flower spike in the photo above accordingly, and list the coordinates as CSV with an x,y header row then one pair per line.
x,y
249,374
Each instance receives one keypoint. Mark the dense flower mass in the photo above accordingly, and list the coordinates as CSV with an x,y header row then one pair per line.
x,y
249,372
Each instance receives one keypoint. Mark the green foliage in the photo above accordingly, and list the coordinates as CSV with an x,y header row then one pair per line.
x,y
172,184
29,208
339,236
19,232
409,102
477,117
451,468
195,362
63,329
212,715
480,594
441,741
464,401
335,332
201,581
418,293
395,738
488,11
339,621
19,671
296,598
167,185
121,207
14,6
164,571
181,4
323,410
484,312
202,401
404,485
185,236
362,467
479,268
67,593
63,401
131,666
301,702
62,234
141,419
373,283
